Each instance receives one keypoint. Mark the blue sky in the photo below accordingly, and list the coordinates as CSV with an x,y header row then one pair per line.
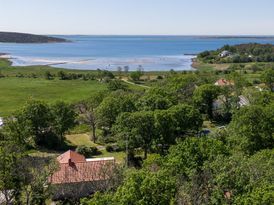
x,y
161,17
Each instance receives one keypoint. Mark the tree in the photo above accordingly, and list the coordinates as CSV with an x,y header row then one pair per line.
x,y
178,121
183,87
40,117
140,187
227,102
126,69
239,82
112,106
240,179
119,71
10,176
252,128
62,75
137,128
187,119
48,75
23,179
204,97
165,128
157,98
268,78
19,131
1,75
154,101
64,118
189,156
160,128
35,173
87,110
136,75
43,124
147,188
256,97
115,84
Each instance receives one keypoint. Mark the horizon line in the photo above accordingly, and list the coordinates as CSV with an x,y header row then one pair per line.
x,y
209,35
204,35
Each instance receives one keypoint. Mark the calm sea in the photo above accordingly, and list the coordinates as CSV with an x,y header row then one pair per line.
x,y
109,52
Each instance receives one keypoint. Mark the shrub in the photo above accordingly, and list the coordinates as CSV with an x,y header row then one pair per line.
x,y
87,151
159,77
256,81
109,148
1,75
135,76
113,148
116,85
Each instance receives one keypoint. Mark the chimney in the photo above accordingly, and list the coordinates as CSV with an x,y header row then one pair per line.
x,y
70,163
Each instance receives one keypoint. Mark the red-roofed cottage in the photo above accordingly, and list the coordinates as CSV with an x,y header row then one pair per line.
x,y
224,82
78,177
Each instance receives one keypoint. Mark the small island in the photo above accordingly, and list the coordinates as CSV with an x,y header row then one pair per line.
x,y
12,37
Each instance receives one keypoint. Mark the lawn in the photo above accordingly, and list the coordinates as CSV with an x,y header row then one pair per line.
x,y
209,67
80,139
84,139
15,92
77,140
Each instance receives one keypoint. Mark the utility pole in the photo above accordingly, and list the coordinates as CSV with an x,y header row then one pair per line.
x,y
127,151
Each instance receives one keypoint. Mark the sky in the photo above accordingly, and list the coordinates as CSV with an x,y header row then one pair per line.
x,y
138,17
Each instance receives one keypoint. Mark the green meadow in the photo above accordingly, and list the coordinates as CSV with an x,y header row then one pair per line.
x,y
14,92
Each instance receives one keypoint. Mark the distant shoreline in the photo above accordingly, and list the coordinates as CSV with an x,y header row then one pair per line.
x,y
13,37
238,37
3,54
207,36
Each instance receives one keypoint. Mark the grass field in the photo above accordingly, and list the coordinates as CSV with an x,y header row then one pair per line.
x,y
14,92
209,67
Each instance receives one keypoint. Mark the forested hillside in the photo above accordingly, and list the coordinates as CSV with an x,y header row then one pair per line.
x,y
242,53
11,37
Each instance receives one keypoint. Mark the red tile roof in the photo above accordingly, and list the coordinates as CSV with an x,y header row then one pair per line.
x,y
73,156
223,82
79,170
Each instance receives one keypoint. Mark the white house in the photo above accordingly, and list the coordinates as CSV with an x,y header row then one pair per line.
x,y
1,122
224,54
243,101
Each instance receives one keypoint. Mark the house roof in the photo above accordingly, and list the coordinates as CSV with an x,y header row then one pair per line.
x,y
223,82
70,155
74,168
243,101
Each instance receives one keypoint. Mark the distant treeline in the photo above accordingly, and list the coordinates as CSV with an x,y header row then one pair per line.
x,y
11,37
64,75
242,53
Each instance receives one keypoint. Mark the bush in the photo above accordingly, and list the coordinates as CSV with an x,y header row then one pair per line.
x,y
109,148
113,148
135,76
87,151
256,81
116,85
1,75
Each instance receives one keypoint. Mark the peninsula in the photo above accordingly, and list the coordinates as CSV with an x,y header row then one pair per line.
x,y
12,37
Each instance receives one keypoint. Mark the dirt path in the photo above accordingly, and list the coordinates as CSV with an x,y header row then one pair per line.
x,y
128,82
